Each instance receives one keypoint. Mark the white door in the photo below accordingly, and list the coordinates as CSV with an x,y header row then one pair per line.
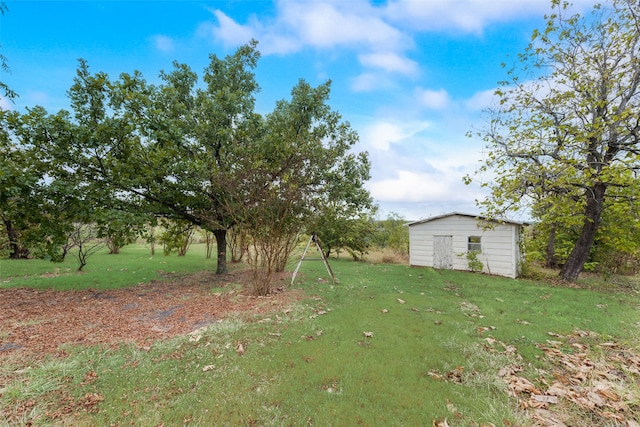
x,y
443,252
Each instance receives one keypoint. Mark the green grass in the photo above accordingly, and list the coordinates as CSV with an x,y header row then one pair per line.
x,y
133,265
314,365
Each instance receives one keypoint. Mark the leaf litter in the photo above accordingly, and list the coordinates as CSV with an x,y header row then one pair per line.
x,y
35,323
577,387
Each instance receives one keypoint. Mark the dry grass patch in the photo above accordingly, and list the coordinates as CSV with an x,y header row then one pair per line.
x,y
386,256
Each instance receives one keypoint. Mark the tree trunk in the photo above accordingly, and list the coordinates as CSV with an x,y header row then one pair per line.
x,y
221,242
17,251
580,253
550,261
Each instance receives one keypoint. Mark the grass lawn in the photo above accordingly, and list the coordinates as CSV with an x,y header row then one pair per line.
x,y
387,345
133,265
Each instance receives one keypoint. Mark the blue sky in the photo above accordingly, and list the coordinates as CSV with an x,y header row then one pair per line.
x,y
411,76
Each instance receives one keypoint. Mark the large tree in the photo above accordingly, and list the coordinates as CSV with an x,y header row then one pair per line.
x,y
163,149
198,152
38,201
297,167
567,130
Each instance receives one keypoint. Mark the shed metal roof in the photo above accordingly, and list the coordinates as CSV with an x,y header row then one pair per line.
x,y
479,217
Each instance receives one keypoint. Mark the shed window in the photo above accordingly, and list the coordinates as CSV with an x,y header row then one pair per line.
x,y
474,244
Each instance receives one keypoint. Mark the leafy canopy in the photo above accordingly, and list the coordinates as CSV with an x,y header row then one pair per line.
x,y
566,133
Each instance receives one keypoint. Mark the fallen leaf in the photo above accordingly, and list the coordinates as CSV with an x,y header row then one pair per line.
x,y
239,348
558,389
434,375
401,301
509,370
605,391
384,311
368,334
91,400
545,418
611,416
608,344
208,368
596,399
89,378
544,398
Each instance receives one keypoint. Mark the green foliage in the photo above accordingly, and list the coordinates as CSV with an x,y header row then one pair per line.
x,y
392,233
339,233
473,262
38,201
564,144
118,227
8,93
195,154
616,248
296,174
198,153
176,237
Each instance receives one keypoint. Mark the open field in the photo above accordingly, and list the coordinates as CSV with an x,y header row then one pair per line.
x,y
387,345
134,265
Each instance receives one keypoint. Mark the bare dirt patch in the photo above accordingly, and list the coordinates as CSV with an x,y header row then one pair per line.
x,y
36,323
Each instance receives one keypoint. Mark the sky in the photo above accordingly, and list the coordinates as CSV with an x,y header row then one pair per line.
x,y
412,77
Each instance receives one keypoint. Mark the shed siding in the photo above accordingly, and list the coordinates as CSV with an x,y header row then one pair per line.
x,y
500,245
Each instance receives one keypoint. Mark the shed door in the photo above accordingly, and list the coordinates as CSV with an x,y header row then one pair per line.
x,y
443,252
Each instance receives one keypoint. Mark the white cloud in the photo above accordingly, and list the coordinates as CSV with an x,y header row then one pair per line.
x,y
470,16
228,31
271,42
434,99
420,163
365,82
164,43
381,135
465,15
324,25
370,81
412,186
488,98
482,100
389,61
328,24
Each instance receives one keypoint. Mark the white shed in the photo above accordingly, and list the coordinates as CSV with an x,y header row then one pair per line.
x,y
457,241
